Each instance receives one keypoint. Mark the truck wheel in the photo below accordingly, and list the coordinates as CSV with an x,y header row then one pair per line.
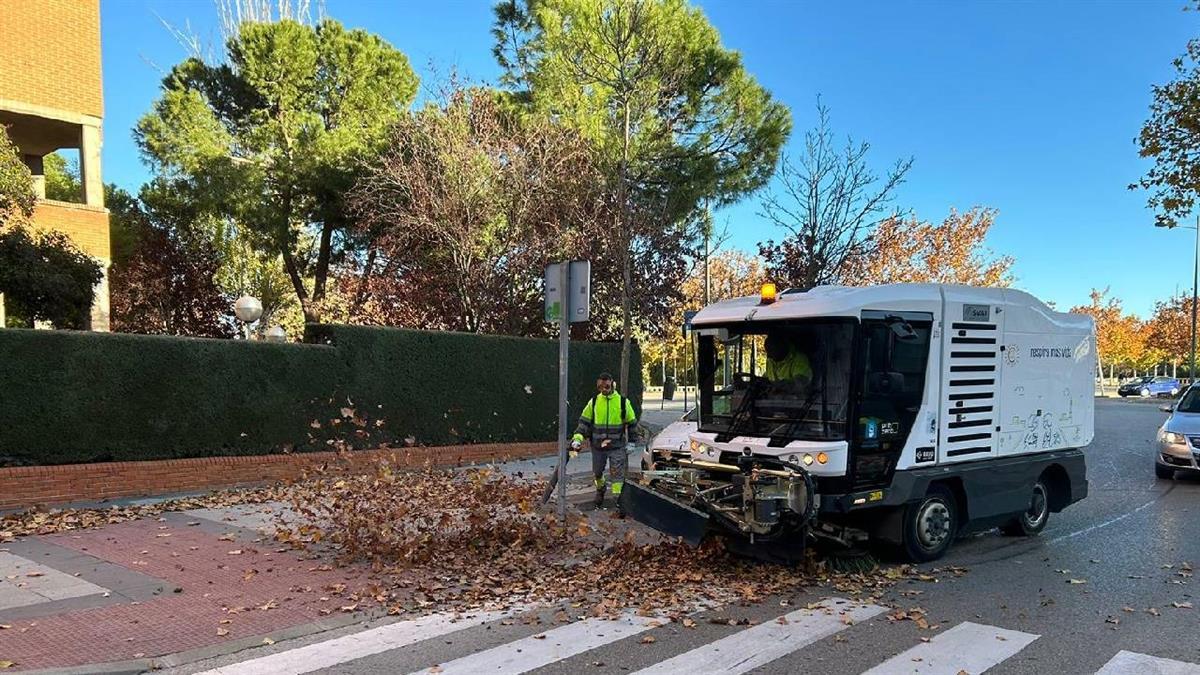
x,y
1163,472
1034,519
930,525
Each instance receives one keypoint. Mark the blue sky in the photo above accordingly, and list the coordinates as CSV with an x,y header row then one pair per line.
x,y
1027,107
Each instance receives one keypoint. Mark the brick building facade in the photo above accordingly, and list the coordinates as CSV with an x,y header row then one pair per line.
x,y
51,98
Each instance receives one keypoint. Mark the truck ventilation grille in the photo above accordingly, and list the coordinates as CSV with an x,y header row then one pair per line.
x,y
968,428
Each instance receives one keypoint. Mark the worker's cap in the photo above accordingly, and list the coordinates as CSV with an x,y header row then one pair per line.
x,y
605,376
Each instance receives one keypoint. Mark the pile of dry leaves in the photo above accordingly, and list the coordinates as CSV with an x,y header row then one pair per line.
x,y
38,521
442,539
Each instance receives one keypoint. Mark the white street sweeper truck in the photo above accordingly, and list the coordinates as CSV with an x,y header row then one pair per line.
x,y
906,414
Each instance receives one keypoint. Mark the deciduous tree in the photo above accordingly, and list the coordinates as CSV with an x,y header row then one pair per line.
x,y
1120,338
45,277
1170,137
827,202
464,212
162,280
949,252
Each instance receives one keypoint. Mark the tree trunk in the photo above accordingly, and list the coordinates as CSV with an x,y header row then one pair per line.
x,y
311,315
321,273
626,241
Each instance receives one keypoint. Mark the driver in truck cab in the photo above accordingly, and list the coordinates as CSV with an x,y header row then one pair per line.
x,y
786,362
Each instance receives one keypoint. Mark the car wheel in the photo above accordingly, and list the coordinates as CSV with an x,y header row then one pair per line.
x,y
1035,518
1163,472
930,525
1145,393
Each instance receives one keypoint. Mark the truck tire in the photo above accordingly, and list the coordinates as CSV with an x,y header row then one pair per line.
x,y
1163,472
1035,518
930,525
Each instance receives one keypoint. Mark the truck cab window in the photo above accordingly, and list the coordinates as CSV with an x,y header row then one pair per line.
x,y
894,362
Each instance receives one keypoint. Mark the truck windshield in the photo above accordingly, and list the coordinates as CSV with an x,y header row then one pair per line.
x,y
783,381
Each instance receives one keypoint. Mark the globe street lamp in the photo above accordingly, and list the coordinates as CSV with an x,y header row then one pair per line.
x,y
276,334
248,310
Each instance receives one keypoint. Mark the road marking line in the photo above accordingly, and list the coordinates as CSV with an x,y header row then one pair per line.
x,y
766,642
355,645
1100,525
560,643
1132,663
968,646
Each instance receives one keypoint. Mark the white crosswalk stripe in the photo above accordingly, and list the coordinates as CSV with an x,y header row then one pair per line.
x,y
969,647
764,643
1132,663
554,645
356,645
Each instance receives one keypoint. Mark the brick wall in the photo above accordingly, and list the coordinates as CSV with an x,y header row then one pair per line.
x,y
87,226
26,486
50,54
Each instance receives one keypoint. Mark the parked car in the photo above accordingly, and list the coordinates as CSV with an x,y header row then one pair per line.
x,y
671,443
1178,439
1151,386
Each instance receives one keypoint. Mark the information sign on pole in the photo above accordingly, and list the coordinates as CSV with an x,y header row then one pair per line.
x,y
568,300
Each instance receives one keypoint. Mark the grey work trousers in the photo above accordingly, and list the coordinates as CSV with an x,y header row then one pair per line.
x,y
617,460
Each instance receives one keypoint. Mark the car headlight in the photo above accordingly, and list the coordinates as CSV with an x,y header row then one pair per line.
x,y
1171,437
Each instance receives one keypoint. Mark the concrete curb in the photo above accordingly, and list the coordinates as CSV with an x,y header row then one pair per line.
x,y
137,666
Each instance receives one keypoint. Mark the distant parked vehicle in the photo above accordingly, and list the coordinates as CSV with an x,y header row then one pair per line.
x,y
1151,386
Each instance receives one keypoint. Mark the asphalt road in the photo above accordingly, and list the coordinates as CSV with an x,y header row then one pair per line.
x,y
1016,605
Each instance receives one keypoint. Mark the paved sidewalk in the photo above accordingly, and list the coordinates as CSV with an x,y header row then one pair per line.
x,y
186,585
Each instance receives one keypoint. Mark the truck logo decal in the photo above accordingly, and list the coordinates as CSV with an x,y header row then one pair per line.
x,y
977,313
1052,352
925,454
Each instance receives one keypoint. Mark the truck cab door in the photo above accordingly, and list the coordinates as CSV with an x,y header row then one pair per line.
x,y
971,338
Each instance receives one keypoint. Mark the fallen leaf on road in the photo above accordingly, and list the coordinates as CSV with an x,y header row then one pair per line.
x,y
268,641
782,621
221,632
689,623
435,669
5,626
540,637
1127,609
270,604
350,608
1076,581
1152,611
649,639
1112,620
7,664
193,523
35,574
225,621
1181,605
236,551
163,534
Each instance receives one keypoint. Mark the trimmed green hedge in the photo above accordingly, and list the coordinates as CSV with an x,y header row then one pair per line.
x,y
68,397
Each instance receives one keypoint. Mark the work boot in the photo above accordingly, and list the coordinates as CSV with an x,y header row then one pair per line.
x,y
599,499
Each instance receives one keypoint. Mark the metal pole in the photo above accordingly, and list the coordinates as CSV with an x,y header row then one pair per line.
x,y
1195,276
662,400
564,339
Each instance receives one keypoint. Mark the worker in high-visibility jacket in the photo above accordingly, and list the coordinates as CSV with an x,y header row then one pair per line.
x,y
786,364
609,424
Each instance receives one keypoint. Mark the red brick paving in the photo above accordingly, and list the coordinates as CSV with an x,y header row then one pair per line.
x,y
216,585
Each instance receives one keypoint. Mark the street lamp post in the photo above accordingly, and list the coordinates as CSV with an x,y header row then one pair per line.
x,y
1195,281
248,310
